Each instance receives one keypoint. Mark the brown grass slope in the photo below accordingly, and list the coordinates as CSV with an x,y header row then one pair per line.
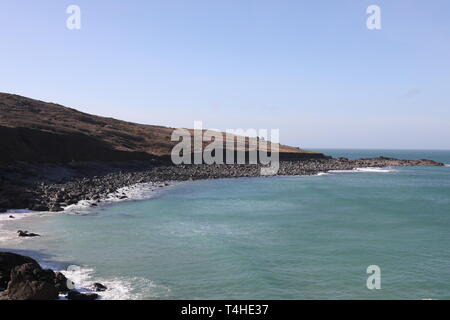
x,y
37,131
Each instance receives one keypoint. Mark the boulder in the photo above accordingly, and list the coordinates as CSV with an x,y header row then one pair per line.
x,y
31,282
8,261
99,287
76,295
63,284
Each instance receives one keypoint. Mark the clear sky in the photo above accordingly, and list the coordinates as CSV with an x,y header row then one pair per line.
x,y
310,68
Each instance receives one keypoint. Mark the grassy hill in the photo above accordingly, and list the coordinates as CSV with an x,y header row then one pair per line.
x,y
37,131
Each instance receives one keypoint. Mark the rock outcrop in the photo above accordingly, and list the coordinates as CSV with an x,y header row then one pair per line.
x,y
29,282
62,284
76,295
22,278
8,262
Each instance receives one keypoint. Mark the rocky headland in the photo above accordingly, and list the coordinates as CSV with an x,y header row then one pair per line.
x,y
52,156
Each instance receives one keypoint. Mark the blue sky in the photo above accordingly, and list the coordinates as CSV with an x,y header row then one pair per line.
x,y
310,68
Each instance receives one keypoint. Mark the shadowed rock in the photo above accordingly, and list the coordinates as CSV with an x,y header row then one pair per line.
x,y
76,295
22,278
62,284
8,261
30,282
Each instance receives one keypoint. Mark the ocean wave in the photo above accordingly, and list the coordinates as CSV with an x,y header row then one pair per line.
x,y
380,170
119,288
21,213
323,174
140,191
370,169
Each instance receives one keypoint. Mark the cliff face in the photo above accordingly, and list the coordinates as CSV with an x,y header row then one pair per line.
x,y
37,131
33,130
32,145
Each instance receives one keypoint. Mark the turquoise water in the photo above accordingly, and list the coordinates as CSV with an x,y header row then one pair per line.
x,y
266,238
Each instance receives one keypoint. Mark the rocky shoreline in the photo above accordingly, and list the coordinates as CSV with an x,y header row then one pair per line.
x,y
51,188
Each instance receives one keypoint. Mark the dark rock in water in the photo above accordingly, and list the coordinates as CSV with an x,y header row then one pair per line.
x,y
99,287
27,234
63,284
76,295
123,197
8,261
30,282
11,217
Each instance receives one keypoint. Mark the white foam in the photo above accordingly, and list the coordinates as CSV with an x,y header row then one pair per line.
x,y
342,171
118,288
17,214
380,170
323,174
369,169
446,165
140,191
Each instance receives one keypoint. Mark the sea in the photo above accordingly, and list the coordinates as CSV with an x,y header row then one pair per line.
x,y
295,237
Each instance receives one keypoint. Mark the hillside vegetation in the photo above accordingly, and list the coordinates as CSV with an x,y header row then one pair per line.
x,y
37,131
